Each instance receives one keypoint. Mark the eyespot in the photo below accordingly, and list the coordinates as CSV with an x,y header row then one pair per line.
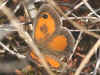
x,y
45,16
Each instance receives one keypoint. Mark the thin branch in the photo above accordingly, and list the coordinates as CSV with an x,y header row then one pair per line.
x,y
12,52
76,7
97,64
90,30
76,44
25,36
90,8
87,58
84,17
52,3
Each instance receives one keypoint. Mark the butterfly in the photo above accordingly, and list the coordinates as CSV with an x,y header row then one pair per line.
x,y
52,39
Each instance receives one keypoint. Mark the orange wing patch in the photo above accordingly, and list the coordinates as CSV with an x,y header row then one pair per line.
x,y
34,57
51,61
45,26
59,43
32,54
54,63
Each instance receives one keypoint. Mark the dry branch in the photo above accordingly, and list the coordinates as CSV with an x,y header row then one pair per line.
x,y
15,22
83,29
87,58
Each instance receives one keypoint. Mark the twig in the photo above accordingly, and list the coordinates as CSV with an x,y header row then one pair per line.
x,y
77,42
91,13
12,52
87,58
90,8
84,17
90,30
25,36
51,2
97,64
76,7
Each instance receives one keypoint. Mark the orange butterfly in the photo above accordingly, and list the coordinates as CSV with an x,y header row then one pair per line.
x,y
51,38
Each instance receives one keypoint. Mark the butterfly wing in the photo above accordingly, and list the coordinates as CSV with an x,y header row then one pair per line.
x,y
52,40
46,24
